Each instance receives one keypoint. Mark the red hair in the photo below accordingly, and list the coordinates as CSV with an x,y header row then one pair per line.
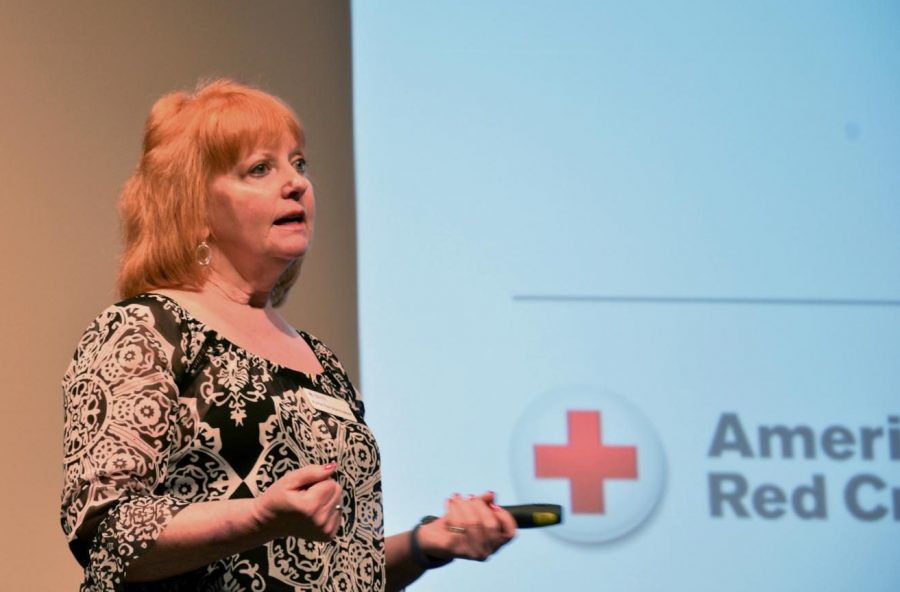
x,y
188,139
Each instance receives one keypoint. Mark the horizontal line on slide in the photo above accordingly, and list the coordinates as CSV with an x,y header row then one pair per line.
x,y
630,299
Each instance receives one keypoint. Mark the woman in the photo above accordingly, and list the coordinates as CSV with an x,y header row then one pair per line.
x,y
209,445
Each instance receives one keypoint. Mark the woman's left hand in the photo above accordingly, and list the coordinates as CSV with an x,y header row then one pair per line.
x,y
472,528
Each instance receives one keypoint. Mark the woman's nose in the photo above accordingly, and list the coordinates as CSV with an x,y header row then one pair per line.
x,y
295,186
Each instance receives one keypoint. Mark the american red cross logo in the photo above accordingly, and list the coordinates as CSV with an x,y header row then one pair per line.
x,y
585,461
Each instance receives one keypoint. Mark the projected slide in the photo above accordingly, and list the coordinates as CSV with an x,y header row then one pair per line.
x,y
643,261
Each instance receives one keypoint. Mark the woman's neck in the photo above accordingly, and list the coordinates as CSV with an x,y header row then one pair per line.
x,y
232,288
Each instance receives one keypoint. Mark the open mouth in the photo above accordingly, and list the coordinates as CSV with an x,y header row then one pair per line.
x,y
291,219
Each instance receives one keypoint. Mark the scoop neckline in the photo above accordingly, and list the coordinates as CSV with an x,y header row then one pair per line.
x,y
207,329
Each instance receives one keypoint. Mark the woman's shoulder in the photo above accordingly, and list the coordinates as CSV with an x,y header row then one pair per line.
x,y
155,310
326,356
154,315
317,345
152,323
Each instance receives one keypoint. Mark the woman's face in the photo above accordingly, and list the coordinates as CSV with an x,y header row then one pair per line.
x,y
261,211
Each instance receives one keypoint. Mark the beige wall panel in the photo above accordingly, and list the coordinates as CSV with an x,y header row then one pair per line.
x,y
78,79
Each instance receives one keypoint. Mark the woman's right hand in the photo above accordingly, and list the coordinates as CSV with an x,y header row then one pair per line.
x,y
304,503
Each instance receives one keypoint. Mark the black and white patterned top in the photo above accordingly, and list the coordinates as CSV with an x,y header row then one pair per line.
x,y
161,411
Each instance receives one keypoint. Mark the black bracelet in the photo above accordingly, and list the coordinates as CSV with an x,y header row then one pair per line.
x,y
419,556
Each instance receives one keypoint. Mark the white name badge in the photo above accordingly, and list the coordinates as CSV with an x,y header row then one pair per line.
x,y
331,405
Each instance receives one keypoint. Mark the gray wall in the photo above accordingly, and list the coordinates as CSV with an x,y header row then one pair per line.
x,y
78,79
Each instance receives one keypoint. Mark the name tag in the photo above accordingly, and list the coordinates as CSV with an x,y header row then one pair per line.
x,y
331,405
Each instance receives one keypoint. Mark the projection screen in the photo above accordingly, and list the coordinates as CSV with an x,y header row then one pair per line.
x,y
639,259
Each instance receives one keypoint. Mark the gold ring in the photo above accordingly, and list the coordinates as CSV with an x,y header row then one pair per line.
x,y
338,508
456,529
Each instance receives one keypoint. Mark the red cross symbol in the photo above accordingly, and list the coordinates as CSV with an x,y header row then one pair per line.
x,y
585,462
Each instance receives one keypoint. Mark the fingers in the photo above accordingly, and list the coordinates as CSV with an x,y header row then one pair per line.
x,y
327,519
310,474
323,501
507,522
484,526
478,525
305,503
488,497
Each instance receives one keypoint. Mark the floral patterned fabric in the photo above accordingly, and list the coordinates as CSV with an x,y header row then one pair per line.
x,y
161,412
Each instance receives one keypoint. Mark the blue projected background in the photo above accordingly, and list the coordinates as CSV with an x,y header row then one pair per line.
x,y
684,213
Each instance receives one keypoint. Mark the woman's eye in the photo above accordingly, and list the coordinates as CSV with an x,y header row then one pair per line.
x,y
258,170
300,165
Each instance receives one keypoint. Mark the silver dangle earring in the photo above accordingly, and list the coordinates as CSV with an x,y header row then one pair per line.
x,y
203,254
